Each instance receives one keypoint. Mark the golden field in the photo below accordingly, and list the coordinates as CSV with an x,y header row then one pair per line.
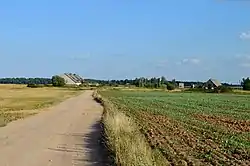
x,y
18,101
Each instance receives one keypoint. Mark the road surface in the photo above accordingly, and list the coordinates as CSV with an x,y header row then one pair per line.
x,y
64,135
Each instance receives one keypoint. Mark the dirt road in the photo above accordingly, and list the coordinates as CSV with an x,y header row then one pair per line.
x,y
64,135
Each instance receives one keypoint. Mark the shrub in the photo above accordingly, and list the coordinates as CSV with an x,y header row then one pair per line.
x,y
170,86
35,85
220,89
58,81
164,86
223,89
48,85
198,89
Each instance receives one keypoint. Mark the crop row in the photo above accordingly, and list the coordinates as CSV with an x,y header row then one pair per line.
x,y
191,128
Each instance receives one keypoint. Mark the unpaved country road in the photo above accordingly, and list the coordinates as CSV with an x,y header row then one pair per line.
x,y
65,135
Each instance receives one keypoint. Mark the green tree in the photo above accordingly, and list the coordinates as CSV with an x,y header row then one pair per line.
x,y
163,80
246,83
170,86
58,81
158,82
174,82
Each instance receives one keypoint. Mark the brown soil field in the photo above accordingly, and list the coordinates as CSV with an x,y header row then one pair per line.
x,y
190,128
229,123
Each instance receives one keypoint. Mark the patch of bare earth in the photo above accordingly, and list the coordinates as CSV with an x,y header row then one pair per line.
x,y
230,124
181,146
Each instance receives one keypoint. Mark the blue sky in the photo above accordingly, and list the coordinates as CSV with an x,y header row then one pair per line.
x,y
110,39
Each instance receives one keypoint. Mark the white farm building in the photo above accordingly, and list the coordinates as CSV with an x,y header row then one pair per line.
x,y
72,79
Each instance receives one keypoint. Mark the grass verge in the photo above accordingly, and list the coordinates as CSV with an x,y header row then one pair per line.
x,y
126,144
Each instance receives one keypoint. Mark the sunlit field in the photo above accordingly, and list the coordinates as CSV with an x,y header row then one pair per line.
x,y
190,128
18,101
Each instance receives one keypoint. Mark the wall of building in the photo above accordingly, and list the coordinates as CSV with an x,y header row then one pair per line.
x,y
68,81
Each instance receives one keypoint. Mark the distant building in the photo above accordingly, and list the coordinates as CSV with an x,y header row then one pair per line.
x,y
181,85
212,84
193,86
72,79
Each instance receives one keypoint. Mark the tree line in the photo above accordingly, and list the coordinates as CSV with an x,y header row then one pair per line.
x,y
161,83
25,81
153,82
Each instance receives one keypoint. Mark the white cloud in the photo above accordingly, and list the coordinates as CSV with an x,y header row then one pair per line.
x,y
193,61
162,63
243,56
80,57
243,60
245,65
178,63
185,60
245,35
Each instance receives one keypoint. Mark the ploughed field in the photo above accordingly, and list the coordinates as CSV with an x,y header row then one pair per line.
x,y
191,128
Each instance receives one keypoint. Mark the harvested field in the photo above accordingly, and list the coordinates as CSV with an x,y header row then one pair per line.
x,y
18,101
191,128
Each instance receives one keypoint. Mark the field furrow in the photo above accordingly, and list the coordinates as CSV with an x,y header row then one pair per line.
x,y
191,128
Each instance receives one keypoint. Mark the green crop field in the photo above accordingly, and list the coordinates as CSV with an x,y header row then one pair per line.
x,y
190,128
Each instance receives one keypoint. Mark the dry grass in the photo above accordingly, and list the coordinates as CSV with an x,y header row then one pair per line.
x,y
125,141
18,101
2,122
241,91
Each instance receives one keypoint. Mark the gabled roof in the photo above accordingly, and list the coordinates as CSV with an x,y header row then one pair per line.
x,y
215,82
74,77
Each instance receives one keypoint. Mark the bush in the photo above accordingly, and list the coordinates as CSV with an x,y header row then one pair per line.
x,y
223,89
220,89
198,89
58,81
164,86
170,86
35,85
48,85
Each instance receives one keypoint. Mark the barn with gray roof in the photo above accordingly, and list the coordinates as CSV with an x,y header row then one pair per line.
x,y
72,79
212,84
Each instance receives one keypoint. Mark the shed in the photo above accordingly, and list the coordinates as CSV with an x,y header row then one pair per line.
x,y
72,79
212,84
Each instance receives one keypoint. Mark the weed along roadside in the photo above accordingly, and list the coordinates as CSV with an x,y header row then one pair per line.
x,y
126,145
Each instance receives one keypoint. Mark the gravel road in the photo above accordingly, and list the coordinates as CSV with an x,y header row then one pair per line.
x,y
64,135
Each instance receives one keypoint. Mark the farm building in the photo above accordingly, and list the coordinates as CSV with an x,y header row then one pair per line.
x,y
72,79
212,84
181,85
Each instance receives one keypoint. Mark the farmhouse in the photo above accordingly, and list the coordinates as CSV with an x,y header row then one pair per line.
x,y
212,84
72,79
